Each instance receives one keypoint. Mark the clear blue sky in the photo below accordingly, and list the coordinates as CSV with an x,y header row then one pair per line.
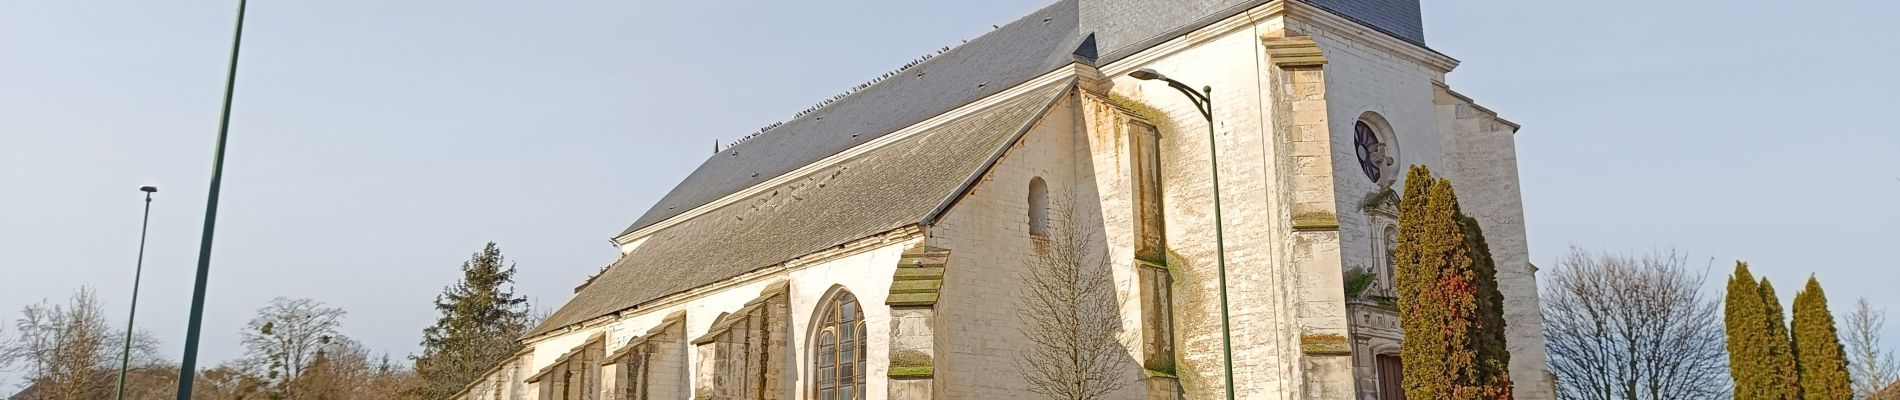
x,y
375,144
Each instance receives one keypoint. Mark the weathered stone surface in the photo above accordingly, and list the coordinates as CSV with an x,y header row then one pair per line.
x,y
1297,213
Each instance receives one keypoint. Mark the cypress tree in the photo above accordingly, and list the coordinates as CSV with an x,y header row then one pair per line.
x,y
1494,358
481,318
1819,357
1449,305
1780,358
1758,346
1743,319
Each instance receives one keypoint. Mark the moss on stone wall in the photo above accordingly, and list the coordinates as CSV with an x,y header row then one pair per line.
x,y
1357,280
910,358
1147,112
1315,220
1324,344
1379,198
1174,264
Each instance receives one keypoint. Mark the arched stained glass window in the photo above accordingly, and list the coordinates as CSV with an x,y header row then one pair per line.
x,y
838,351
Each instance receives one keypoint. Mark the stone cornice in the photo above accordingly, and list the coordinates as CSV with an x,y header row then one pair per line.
x,y
1334,23
1445,90
899,235
1293,51
1290,9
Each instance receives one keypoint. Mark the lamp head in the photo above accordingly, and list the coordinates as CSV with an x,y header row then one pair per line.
x,y
149,189
1147,74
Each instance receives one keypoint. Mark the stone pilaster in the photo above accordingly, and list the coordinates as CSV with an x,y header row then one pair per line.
x,y
651,366
573,375
1299,102
1125,150
913,302
742,354
1157,331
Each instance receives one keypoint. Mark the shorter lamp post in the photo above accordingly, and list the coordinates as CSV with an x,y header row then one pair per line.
x,y
1204,102
125,360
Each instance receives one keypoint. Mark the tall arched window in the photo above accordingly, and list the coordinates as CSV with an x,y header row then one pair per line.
x,y
838,350
1038,207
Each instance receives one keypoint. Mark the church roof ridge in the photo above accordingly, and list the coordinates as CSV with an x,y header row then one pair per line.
x,y
847,93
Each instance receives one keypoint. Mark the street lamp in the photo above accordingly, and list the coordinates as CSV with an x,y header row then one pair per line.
x,y
187,367
125,360
1204,103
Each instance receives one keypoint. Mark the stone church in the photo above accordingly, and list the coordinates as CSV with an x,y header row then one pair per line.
x,y
880,244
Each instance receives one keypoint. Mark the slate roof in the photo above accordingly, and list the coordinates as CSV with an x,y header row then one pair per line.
x,y
1003,58
1054,36
885,189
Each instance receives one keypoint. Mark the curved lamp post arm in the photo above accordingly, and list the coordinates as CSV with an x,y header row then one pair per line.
x,y
1202,101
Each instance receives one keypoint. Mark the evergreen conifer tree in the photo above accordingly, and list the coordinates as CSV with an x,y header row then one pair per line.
x,y
1743,318
1759,361
481,318
1449,305
1781,366
1494,357
1819,357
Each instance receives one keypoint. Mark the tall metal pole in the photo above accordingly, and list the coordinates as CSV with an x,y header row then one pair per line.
x,y
188,366
1220,238
125,360
1204,102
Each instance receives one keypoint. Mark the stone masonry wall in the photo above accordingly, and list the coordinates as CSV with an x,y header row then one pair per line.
x,y
1367,78
865,273
978,338
1482,153
1228,58
1276,294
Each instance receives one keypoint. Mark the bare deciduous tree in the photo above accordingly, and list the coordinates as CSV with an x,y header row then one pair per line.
x,y
228,381
285,337
344,369
1624,327
69,351
1071,317
1873,368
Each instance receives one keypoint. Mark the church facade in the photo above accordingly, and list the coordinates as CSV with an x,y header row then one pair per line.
x,y
883,245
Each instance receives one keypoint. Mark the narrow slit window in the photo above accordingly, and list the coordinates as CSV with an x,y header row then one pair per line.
x,y
1038,207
